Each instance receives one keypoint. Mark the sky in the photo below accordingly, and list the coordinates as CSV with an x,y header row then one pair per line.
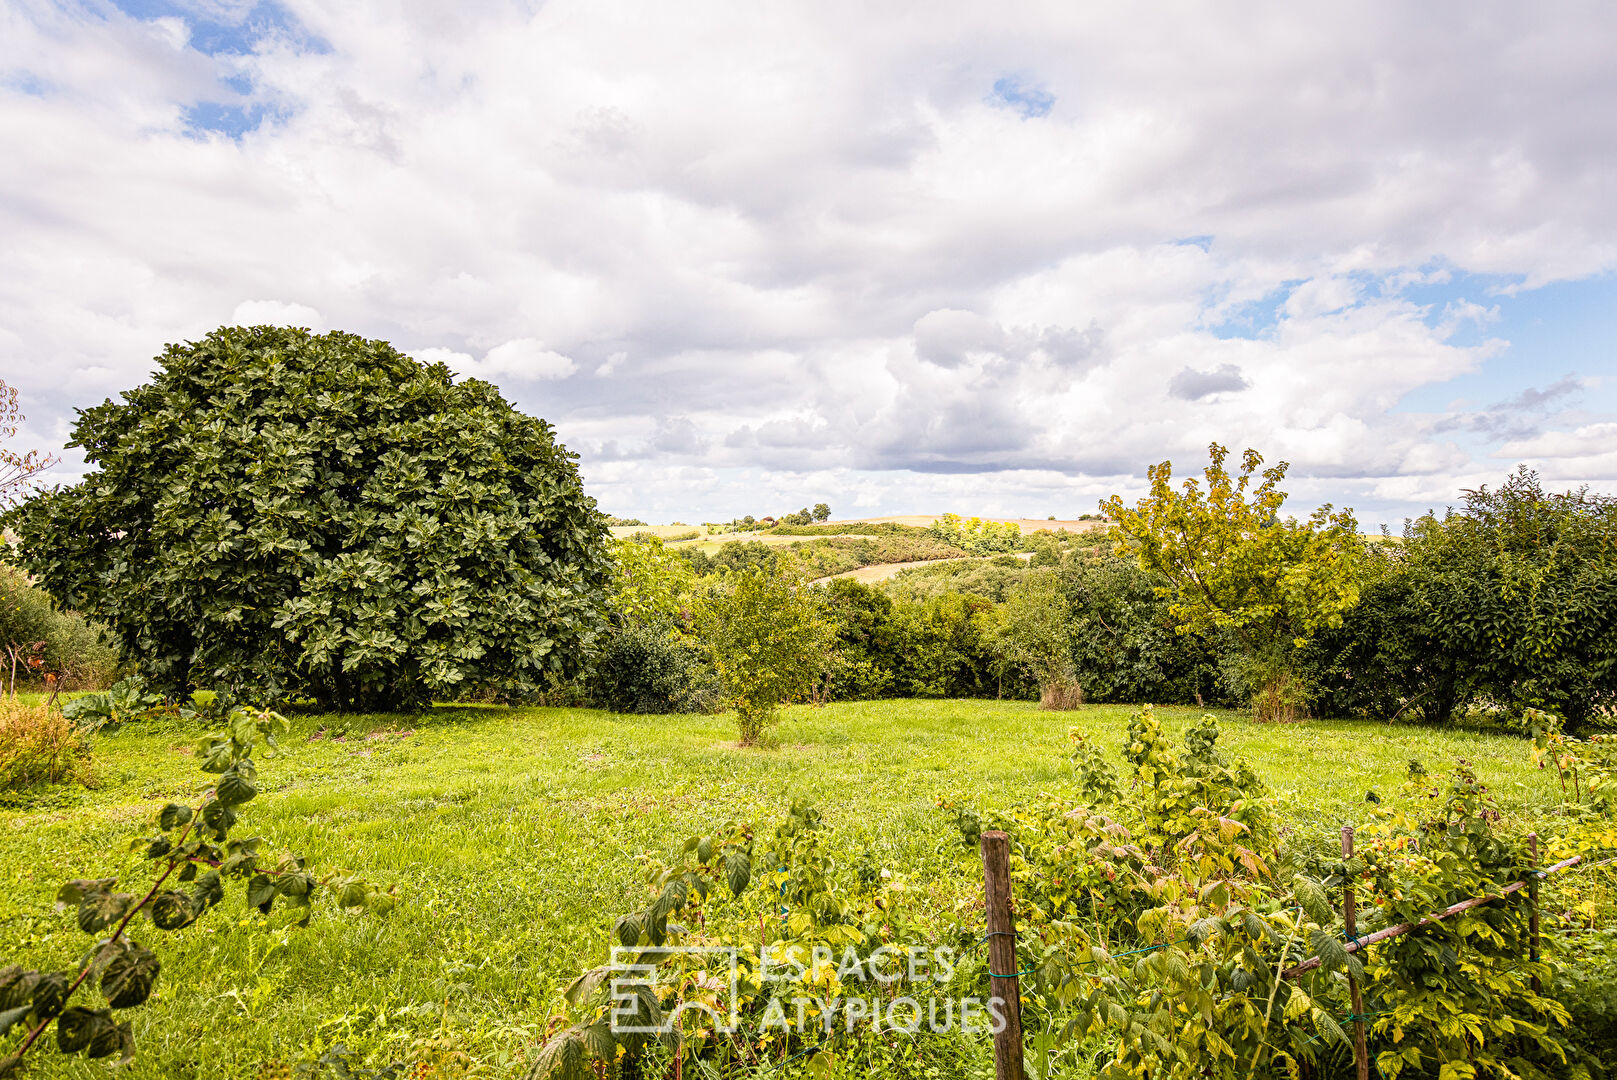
x,y
899,258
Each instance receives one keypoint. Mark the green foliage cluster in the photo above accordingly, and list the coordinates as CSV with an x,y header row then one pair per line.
x,y
769,644
1235,567
191,845
820,908
819,557
1508,603
854,528
323,516
621,522
652,669
39,638
978,537
1033,635
944,646
1172,928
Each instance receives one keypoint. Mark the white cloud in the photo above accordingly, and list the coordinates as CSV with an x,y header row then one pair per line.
x,y
524,358
792,256
275,313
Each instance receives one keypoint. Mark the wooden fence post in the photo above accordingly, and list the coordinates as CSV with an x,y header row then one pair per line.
x,y
1532,907
1002,969
1361,1055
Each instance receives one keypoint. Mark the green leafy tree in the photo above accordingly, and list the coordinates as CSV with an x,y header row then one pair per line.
x,y
323,515
769,643
822,512
1034,635
1235,567
1512,599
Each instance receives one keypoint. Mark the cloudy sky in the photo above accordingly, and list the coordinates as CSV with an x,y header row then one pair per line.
x,y
901,257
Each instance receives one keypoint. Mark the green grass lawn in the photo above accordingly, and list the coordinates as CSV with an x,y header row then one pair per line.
x,y
513,834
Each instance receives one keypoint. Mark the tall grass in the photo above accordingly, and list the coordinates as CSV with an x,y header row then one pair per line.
x,y
39,746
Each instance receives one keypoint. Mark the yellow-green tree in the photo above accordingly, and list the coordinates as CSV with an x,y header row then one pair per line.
x,y
1238,569
770,642
650,586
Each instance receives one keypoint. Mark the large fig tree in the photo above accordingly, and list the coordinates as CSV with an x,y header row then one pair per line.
x,y
323,515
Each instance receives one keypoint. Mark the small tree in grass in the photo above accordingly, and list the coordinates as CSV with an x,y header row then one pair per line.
x,y
1034,635
822,511
1236,567
769,643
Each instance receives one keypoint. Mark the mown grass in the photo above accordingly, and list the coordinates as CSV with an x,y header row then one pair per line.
x,y
513,834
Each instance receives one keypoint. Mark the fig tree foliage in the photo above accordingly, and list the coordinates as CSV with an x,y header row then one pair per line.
x,y
322,515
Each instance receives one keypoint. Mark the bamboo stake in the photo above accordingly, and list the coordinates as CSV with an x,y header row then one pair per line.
x,y
1361,1054
1403,928
1532,908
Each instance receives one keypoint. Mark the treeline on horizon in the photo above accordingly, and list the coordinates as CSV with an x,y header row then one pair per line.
x,y
1506,601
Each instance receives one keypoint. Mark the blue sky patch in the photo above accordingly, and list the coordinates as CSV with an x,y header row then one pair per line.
x,y
1028,99
232,120
238,38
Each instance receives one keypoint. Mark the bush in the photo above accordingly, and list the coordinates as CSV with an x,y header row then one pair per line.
x,y
297,514
1124,644
769,643
1509,602
948,651
978,537
870,645
74,651
645,669
973,577
38,745
1033,636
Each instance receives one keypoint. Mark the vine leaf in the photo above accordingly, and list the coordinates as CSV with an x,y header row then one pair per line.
x,y
11,1017
128,978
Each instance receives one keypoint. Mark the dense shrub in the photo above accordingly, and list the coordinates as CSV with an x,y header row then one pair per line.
x,y
646,669
870,645
853,528
820,557
1124,643
1386,660
323,515
48,640
974,577
1032,637
1509,602
732,556
976,536
949,653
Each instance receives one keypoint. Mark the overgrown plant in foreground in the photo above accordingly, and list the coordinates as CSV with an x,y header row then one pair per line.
x,y
1166,931
192,847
